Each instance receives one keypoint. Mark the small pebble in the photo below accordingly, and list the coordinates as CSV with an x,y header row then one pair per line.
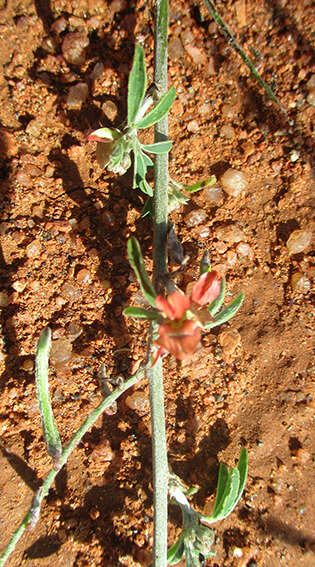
x,y
302,456
234,182
59,25
228,111
70,292
193,126
300,283
203,232
33,249
196,217
74,330
110,110
248,148
23,178
298,241
19,286
138,401
61,350
205,108
198,56
175,49
213,194
310,85
34,127
83,276
220,246
4,299
28,365
311,98
97,71
245,251
231,259
229,340
230,234
74,47
77,95
103,452
227,132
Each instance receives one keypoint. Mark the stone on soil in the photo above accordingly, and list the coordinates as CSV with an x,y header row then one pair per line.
x,y
74,47
194,218
234,182
298,241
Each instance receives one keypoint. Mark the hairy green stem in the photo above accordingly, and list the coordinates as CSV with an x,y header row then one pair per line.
x,y
155,374
231,39
31,517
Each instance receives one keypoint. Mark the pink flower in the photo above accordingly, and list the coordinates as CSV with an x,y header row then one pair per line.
x,y
180,333
206,289
180,340
174,306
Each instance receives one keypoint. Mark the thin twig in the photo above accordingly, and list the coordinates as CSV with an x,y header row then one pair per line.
x,y
155,374
31,517
231,39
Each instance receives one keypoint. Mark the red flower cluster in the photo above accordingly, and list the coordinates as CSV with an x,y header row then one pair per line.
x,y
180,333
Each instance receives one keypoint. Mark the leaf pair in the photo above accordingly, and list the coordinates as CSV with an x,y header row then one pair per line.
x,y
230,488
137,85
197,538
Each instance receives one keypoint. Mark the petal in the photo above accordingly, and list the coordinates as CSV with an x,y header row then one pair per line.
x,y
179,302
206,289
174,306
181,341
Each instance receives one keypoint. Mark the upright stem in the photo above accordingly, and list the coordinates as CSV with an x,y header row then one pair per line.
x,y
155,374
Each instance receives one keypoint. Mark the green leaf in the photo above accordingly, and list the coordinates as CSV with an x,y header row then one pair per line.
x,y
137,84
148,208
140,313
136,262
225,505
158,111
218,302
158,148
146,187
104,133
243,469
222,480
147,160
50,430
141,168
117,155
227,313
200,184
176,552
135,168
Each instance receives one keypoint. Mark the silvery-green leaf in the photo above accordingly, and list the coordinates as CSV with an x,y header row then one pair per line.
x,y
50,430
140,313
176,552
158,147
146,187
137,84
227,313
218,302
136,262
160,110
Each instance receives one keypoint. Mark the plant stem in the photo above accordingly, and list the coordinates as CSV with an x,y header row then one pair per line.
x,y
31,517
155,374
231,39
